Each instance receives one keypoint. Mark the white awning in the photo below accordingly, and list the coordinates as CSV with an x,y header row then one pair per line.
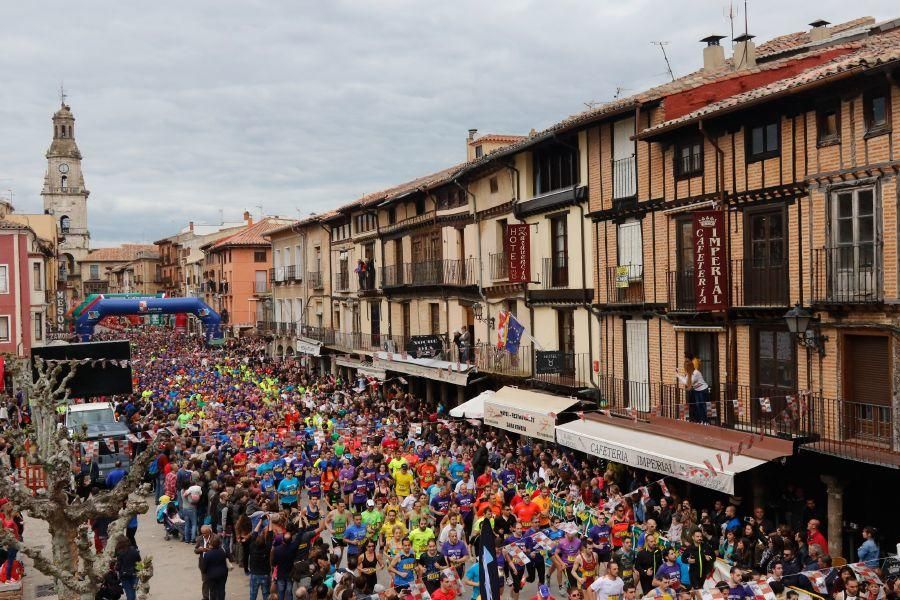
x,y
657,453
474,408
430,368
526,412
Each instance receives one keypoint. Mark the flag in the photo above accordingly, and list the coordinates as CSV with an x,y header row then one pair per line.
x,y
514,331
765,404
664,488
502,322
488,574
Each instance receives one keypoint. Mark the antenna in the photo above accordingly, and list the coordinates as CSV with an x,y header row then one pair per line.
x,y
729,14
221,217
62,94
259,206
662,46
620,89
592,104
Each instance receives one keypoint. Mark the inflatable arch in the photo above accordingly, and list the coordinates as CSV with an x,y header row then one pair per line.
x,y
87,320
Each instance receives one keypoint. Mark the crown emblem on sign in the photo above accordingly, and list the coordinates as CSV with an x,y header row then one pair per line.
x,y
708,221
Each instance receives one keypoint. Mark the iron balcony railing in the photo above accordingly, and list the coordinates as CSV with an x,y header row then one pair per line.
x,y
759,283
430,273
290,273
315,279
572,370
341,281
624,177
490,359
499,266
854,430
625,284
555,272
681,293
272,274
848,274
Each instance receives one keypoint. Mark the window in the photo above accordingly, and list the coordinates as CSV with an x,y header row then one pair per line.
x,y
559,251
392,215
365,222
420,206
340,232
479,151
762,141
38,320
64,224
828,123
689,158
38,283
259,256
404,308
556,167
631,248
4,279
876,109
565,331
450,197
495,185
95,272
855,258
434,312
4,329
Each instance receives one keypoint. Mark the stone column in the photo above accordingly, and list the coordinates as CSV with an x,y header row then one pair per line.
x,y
460,394
835,492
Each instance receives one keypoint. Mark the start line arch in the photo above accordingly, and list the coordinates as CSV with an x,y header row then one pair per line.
x,y
212,322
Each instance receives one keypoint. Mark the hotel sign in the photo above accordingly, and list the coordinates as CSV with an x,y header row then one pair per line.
x,y
710,268
518,253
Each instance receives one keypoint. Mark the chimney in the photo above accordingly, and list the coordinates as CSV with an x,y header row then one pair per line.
x,y
713,53
819,30
472,133
191,226
744,52
248,218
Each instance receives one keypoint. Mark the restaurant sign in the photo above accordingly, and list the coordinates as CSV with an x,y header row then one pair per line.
x,y
518,253
710,268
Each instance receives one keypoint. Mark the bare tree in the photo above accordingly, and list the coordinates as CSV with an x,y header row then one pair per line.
x,y
75,565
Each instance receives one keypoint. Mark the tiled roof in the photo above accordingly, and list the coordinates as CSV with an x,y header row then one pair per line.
x,y
5,224
496,137
252,235
869,53
123,253
798,39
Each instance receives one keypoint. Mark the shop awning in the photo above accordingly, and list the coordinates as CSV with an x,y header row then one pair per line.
x,y
429,368
474,408
526,412
654,452
311,348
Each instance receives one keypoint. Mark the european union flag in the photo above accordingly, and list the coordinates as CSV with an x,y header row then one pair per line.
x,y
514,331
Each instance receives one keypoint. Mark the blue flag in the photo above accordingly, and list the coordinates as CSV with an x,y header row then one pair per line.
x,y
514,331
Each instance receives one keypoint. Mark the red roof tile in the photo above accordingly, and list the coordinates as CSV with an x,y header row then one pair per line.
x,y
123,253
252,235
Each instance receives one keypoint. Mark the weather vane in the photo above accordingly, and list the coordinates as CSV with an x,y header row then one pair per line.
x,y
62,95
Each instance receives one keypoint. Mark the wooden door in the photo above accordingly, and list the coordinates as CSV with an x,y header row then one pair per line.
x,y
775,369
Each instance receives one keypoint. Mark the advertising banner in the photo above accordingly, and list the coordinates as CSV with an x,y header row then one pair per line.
x,y
710,265
518,253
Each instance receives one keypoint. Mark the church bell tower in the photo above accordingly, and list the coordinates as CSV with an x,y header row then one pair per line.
x,y
64,194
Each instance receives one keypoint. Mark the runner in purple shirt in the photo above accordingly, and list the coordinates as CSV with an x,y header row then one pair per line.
x,y
566,551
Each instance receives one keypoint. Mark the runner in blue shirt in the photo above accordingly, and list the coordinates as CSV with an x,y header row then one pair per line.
x,y
288,490
403,567
354,536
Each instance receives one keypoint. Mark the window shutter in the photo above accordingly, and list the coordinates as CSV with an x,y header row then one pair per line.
x,y
631,248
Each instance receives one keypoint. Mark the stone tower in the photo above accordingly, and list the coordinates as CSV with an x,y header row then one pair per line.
x,y
64,194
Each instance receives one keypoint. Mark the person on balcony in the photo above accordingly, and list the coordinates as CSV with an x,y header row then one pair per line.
x,y
697,389
361,273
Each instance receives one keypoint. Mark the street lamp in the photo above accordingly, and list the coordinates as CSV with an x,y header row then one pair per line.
x,y
798,320
478,310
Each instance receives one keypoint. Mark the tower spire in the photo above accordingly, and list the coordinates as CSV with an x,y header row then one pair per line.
x,y
62,94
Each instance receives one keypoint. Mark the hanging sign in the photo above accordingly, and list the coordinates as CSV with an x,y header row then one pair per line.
x,y
710,269
518,253
548,362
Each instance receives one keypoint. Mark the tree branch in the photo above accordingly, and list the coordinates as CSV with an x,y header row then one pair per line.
x,y
46,566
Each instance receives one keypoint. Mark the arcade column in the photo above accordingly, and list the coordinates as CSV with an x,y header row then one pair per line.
x,y
834,490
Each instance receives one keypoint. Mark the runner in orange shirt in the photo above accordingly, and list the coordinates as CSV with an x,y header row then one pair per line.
x,y
527,511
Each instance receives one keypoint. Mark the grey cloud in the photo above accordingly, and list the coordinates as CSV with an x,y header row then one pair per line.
x,y
186,108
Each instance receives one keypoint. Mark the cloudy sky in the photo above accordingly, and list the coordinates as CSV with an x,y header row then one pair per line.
x,y
185,109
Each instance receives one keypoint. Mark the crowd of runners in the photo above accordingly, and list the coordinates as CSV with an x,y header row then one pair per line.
x,y
322,487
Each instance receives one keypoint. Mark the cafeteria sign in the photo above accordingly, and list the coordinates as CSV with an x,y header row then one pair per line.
x,y
518,253
622,277
710,274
